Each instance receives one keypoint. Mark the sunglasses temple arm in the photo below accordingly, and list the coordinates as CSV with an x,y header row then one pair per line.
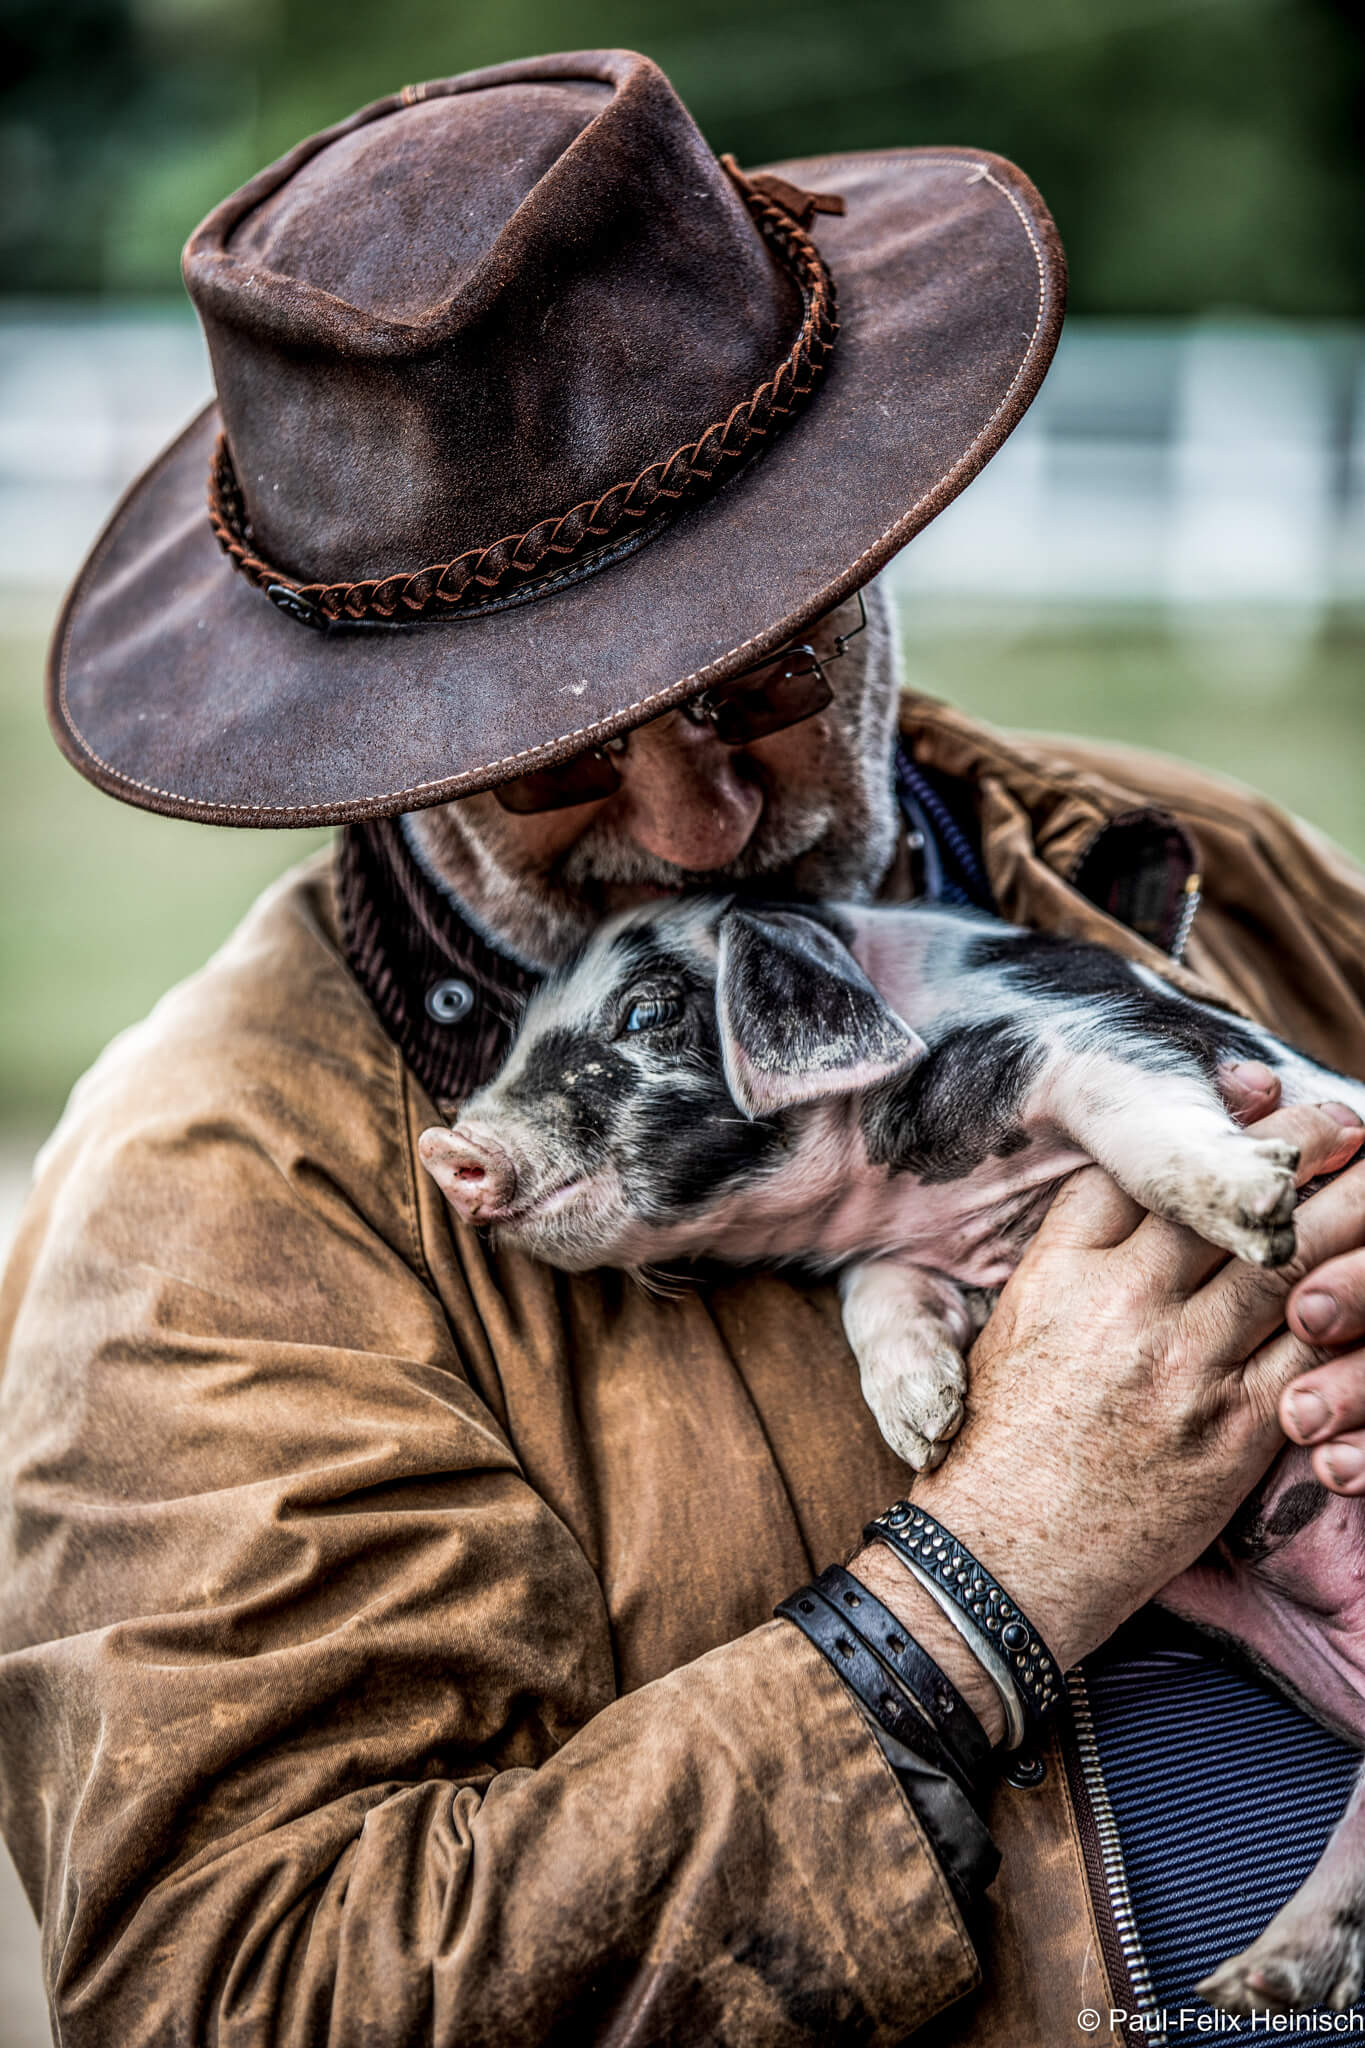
x,y
841,640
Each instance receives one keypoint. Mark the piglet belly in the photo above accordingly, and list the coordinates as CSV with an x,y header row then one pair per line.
x,y
975,1229
1287,1584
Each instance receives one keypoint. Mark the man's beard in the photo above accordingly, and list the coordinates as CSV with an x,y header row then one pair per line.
x,y
837,841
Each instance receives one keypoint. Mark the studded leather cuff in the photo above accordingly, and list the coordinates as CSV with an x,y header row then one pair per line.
x,y
1013,1653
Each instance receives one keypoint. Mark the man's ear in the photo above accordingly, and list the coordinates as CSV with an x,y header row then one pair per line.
x,y
798,1018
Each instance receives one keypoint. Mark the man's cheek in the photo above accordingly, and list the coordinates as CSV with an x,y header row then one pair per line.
x,y
798,756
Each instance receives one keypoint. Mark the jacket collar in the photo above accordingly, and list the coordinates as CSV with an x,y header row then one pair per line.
x,y
447,999
1064,848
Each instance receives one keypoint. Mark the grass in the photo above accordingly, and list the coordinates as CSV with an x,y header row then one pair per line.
x,y
1243,696
104,907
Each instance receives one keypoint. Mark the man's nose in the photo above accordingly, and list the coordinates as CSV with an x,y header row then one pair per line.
x,y
683,797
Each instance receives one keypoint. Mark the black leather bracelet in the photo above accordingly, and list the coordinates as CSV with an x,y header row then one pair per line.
x,y
868,1681
1018,1661
910,1662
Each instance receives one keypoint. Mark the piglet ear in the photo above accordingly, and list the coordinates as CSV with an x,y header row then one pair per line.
x,y
798,1017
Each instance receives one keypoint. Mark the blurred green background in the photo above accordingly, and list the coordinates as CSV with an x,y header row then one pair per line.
x,y
1200,159
1193,151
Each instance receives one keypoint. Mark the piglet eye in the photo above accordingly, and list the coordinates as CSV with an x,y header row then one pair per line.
x,y
653,1011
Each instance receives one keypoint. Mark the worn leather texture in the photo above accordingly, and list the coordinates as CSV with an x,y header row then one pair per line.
x,y
466,311
383,1637
456,315
894,1647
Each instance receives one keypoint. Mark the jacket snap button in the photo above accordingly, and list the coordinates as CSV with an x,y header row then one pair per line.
x,y
1026,1771
448,1001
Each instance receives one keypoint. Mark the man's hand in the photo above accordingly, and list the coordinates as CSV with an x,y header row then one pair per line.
x,y
1326,1407
1124,1401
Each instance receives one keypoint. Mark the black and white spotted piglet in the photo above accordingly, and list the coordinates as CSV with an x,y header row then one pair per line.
x,y
893,1093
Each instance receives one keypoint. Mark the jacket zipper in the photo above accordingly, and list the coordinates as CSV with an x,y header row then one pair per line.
x,y
1188,912
1120,1942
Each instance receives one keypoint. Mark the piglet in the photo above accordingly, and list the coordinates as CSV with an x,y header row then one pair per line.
x,y
895,1095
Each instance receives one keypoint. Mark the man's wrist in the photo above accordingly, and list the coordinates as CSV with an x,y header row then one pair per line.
x,y
882,1573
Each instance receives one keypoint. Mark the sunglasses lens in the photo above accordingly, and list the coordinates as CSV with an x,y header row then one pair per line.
x,y
762,701
770,699
584,779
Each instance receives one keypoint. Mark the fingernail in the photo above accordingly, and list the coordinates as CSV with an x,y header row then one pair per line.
x,y
1316,1312
1342,1113
1252,1074
1344,1462
1310,1414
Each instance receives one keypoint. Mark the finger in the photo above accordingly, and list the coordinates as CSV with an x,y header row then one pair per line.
x,y
1329,1305
1340,1465
1243,1304
1249,1088
1328,1401
1090,1212
1274,1373
1328,1135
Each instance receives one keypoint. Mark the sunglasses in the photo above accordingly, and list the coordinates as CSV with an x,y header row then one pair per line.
x,y
767,698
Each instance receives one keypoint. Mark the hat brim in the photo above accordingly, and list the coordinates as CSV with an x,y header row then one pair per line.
x,y
175,685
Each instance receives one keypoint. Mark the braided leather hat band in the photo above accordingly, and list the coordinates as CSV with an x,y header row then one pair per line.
x,y
443,589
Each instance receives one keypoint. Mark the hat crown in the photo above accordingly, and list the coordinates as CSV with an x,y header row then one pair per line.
x,y
475,305
392,217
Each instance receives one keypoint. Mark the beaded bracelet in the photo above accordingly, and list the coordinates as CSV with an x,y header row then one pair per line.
x,y
1008,1646
867,1679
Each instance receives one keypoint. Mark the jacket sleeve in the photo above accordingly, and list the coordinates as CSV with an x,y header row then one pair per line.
x,y
307,1706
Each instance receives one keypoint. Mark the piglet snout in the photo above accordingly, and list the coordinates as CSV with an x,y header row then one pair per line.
x,y
472,1171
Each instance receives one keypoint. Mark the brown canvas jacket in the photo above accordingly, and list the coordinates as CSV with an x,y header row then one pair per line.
x,y
384,1639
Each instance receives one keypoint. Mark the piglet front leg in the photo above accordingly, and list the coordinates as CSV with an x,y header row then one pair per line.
x,y
1161,1129
908,1329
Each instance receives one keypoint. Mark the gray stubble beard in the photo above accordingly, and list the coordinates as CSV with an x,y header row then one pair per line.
x,y
836,844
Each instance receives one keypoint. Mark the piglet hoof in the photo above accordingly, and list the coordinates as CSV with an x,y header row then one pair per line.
x,y
919,1411
1295,1969
1262,1206
1242,1198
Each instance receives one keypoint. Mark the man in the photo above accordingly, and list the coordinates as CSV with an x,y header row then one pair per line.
x,y
386,1638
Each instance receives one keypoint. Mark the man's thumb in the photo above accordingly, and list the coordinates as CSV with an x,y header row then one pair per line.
x,y
1250,1089
1090,1213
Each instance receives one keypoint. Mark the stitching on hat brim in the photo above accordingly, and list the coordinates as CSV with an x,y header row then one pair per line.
x,y
472,780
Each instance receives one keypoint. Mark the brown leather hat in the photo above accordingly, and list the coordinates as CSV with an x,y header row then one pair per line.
x,y
533,420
